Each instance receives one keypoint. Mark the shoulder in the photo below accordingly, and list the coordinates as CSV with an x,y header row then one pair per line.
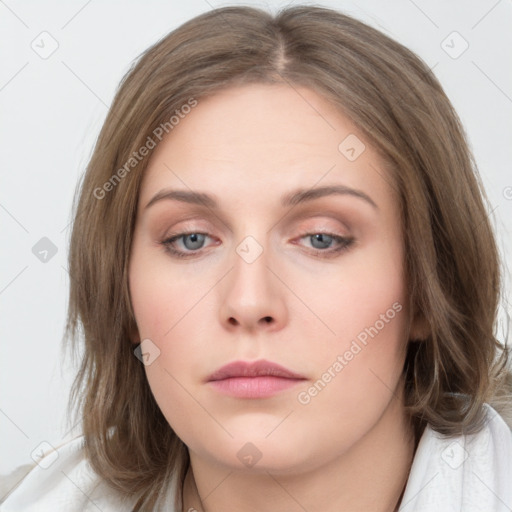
x,y
466,472
62,480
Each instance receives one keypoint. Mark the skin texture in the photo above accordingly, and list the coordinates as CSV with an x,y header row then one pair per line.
x,y
350,446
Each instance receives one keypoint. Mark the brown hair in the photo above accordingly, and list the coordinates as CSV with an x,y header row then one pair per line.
x,y
451,263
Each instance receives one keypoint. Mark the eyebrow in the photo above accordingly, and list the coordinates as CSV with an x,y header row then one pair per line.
x,y
290,199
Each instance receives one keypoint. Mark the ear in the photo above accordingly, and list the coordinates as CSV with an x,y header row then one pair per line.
x,y
420,329
134,335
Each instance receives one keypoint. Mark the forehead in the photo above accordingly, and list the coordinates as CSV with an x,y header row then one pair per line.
x,y
258,140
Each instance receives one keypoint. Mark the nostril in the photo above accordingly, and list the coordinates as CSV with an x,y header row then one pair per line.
x,y
265,319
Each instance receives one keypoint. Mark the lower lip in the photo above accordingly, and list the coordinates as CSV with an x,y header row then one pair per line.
x,y
254,387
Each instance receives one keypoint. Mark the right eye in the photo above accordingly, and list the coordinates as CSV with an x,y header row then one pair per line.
x,y
191,243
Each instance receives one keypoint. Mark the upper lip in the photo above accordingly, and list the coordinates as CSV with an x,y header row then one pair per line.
x,y
253,369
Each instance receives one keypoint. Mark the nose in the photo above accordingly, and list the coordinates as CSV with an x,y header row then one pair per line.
x,y
252,297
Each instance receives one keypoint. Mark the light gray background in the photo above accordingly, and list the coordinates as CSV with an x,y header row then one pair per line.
x,y
52,110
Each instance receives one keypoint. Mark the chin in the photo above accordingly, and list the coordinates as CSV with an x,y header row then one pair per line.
x,y
255,451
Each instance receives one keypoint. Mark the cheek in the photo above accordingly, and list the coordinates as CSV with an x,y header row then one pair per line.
x,y
166,307
359,366
358,375
364,361
363,299
161,296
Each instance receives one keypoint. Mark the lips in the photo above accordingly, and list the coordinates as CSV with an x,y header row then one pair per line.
x,y
259,379
256,369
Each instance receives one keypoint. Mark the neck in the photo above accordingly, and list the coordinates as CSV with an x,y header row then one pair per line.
x,y
371,476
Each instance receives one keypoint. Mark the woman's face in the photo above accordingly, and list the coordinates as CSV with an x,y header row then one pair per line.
x,y
294,258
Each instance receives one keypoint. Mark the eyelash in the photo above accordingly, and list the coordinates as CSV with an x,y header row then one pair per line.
x,y
344,244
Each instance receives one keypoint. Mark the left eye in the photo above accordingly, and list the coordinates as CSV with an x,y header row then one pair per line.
x,y
323,242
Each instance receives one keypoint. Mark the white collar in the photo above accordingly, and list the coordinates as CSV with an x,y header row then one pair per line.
x,y
469,473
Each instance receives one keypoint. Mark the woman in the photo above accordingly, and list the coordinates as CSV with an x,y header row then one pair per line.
x,y
286,282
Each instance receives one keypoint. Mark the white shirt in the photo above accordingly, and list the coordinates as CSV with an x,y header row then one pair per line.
x,y
471,473
468,473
